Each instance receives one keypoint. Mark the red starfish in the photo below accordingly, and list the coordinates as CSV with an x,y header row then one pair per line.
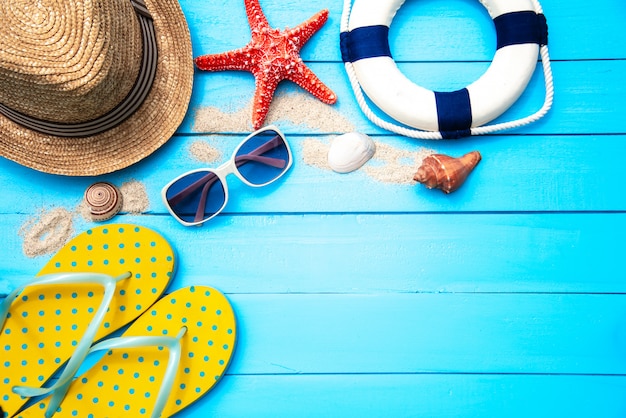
x,y
272,56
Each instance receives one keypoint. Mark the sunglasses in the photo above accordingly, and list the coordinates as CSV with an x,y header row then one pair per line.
x,y
199,195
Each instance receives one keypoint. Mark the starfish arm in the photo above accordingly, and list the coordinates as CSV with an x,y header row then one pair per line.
x,y
256,17
265,88
306,79
272,56
303,32
238,59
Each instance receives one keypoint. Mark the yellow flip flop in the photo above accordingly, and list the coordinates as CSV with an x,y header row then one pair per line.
x,y
98,282
167,359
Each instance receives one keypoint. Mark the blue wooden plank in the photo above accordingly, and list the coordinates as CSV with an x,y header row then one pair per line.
x,y
414,395
534,173
517,173
438,30
379,253
456,30
588,97
431,333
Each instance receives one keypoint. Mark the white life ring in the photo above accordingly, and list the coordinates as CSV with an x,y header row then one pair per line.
x,y
521,31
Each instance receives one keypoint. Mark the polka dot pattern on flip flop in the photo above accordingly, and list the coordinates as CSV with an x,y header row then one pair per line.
x,y
125,382
45,323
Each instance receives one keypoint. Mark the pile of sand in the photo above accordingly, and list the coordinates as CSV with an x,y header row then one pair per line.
x,y
47,232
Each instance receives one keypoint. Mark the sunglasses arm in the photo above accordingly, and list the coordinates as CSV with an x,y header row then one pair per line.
x,y
269,145
205,181
256,155
274,162
202,204
239,161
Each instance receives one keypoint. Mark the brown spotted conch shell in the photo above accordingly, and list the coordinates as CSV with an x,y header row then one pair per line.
x,y
104,201
444,172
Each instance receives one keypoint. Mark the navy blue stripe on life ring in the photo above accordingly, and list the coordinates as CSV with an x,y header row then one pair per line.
x,y
365,42
454,113
526,27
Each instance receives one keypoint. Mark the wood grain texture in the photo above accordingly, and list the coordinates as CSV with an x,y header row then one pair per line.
x,y
355,297
414,395
587,96
423,30
517,174
384,253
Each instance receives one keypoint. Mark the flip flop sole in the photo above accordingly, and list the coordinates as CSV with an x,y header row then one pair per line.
x,y
125,382
46,323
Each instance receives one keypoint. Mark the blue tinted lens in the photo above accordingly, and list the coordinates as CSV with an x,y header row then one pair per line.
x,y
263,158
196,196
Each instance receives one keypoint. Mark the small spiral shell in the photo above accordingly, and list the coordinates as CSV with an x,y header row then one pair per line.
x,y
104,201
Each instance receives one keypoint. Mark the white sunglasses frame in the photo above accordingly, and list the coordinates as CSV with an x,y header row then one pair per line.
x,y
222,171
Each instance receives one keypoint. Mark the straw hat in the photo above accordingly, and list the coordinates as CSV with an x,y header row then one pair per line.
x,y
91,86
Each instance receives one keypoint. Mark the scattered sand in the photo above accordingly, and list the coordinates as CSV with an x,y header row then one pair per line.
x,y
297,108
212,119
389,164
204,152
395,165
47,233
83,210
304,109
315,153
135,197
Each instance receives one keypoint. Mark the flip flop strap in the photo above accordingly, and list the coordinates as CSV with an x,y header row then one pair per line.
x,y
174,347
82,349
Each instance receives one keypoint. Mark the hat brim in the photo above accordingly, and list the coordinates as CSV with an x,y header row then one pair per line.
x,y
140,135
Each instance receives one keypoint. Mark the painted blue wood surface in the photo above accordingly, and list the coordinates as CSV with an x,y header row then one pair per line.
x,y
361,298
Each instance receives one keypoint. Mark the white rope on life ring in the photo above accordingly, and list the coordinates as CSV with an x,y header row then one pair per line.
x,y
522,33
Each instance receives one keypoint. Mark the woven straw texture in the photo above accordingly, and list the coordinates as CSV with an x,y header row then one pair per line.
x,y
71,61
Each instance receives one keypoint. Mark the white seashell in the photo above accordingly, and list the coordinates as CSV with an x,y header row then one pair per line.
x,y
350,151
